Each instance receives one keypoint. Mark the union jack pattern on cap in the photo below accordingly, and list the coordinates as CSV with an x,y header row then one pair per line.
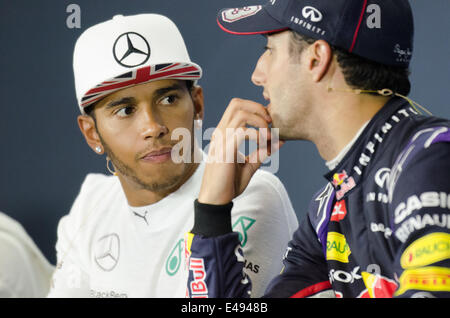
x,y
145,74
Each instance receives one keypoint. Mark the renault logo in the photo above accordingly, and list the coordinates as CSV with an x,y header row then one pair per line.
x,y
131,49
107,252
312,14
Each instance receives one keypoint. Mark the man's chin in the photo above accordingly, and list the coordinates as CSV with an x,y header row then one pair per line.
x,y
155,177
161,184
286,133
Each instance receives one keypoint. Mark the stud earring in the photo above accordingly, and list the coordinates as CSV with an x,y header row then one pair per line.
x,y
98,149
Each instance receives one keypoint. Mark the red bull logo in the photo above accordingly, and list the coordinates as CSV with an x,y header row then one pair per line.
x,y
198,287
339,178
342,181
377,286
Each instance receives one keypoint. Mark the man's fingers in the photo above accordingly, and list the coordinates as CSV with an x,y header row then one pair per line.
x,y
225,163
243,118
242,105
264,151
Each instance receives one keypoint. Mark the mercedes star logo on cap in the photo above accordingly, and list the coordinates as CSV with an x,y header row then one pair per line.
x,y
131,49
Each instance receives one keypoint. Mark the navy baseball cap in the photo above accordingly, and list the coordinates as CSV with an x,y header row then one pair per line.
x,y
378,30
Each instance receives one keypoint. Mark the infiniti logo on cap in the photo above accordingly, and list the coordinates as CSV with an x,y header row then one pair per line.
x,y
312,13
131,49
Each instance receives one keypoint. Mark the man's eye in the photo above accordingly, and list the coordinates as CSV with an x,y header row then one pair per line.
x,y
169,100
125,111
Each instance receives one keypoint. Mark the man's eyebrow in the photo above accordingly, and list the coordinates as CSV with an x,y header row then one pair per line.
x,y
164,90
124,100
158,92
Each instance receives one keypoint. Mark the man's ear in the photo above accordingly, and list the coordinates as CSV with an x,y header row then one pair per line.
x,y
198,99
88,129
319,59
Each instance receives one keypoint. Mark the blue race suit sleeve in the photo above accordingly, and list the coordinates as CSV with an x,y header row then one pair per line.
x,y
216,267
420,203
214,258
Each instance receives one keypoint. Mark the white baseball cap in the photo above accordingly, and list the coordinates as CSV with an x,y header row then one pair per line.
x,y
127,51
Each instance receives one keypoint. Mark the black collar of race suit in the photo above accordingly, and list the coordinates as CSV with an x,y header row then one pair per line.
x,y
347,174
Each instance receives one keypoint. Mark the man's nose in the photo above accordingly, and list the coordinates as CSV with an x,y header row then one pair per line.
x,y
152,126
258,76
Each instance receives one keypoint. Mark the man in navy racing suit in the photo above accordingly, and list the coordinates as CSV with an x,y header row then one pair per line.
x,y
335,73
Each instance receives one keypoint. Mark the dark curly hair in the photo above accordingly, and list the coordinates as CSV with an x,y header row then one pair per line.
x,y
360,73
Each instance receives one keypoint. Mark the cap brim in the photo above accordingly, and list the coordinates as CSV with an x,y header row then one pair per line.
x,y
182,71
248,20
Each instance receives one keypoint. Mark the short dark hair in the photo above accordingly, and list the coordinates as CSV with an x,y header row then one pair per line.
x,y
359,72
89,110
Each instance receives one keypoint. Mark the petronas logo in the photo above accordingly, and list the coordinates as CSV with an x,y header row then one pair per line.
x,y
242,225
173,262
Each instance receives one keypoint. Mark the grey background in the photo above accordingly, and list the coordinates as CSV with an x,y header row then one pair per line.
x,y
43,157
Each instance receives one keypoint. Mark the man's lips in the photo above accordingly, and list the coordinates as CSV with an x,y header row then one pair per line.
x,y
159,155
